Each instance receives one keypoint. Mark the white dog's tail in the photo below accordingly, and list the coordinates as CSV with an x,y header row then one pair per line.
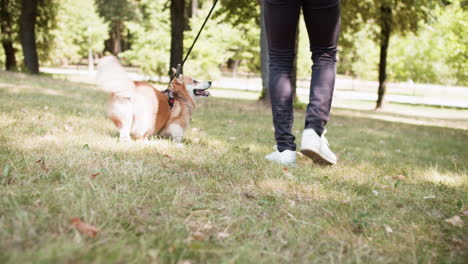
x,y
112,77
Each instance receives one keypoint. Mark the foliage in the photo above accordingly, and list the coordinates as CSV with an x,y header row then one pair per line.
x,y
238,12
437,54
151,39
117,13
218,42
46,23
452,29
423,49
117,10
428,44
79,29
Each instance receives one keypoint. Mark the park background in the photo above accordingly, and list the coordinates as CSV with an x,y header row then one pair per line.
x,y
70,192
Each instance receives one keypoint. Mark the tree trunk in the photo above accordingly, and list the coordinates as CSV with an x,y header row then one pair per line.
x,y
116,37
177,32
386,28
28,36
7,39
264,59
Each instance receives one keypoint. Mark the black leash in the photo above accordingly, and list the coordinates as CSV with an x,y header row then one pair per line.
x,y
168,92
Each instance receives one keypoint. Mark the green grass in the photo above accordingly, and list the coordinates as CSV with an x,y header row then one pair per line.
x,y
214,198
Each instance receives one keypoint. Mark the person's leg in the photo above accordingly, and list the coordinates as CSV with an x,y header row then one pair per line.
x,y
323,26
281,20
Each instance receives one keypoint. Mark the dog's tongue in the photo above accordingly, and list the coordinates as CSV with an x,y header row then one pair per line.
x,y
202,93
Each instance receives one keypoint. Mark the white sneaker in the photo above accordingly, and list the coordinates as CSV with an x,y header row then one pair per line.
x,y
316,147
286,157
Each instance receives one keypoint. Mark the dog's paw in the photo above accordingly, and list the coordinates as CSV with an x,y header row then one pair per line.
x,y
125,139
178,139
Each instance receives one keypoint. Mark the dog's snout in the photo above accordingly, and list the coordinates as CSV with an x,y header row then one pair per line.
x,y
209,82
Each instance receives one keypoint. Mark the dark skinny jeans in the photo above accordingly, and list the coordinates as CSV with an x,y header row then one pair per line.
x,y
322,19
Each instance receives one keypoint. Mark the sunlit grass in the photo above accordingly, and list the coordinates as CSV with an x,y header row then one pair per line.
x,y
214,198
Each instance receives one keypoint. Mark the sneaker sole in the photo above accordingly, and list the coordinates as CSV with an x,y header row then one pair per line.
x,y
316,158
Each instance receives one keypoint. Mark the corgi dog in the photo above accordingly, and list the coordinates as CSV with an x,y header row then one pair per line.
x,y
139,110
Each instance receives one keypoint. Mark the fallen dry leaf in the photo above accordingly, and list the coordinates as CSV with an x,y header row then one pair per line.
x,y
346,200
288,174
232,138
383,186
68,128
84,227
388,229
37,203
168,156
375,192
455,221
464,211
93,176
223,235
456,242
197,235
429,197
249,195
291,215
399,177
41,162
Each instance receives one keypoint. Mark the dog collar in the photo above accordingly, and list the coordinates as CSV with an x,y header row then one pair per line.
x,y
170,97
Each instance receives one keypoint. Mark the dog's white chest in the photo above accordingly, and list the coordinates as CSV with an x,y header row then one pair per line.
x,y
176,132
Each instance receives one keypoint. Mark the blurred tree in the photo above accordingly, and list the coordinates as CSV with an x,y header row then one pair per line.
x,y
150,38
31,23
8,10
453,29
354,26
220,42
437,54
223,46
391,16
46,23
28,20
80,32
116,13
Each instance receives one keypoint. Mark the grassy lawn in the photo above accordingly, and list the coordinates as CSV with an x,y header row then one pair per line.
x,y
214,199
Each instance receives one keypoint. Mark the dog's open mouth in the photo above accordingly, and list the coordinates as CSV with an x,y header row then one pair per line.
x,y
201,92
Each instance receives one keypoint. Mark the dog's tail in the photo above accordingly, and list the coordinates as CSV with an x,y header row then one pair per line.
x,y
112,77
